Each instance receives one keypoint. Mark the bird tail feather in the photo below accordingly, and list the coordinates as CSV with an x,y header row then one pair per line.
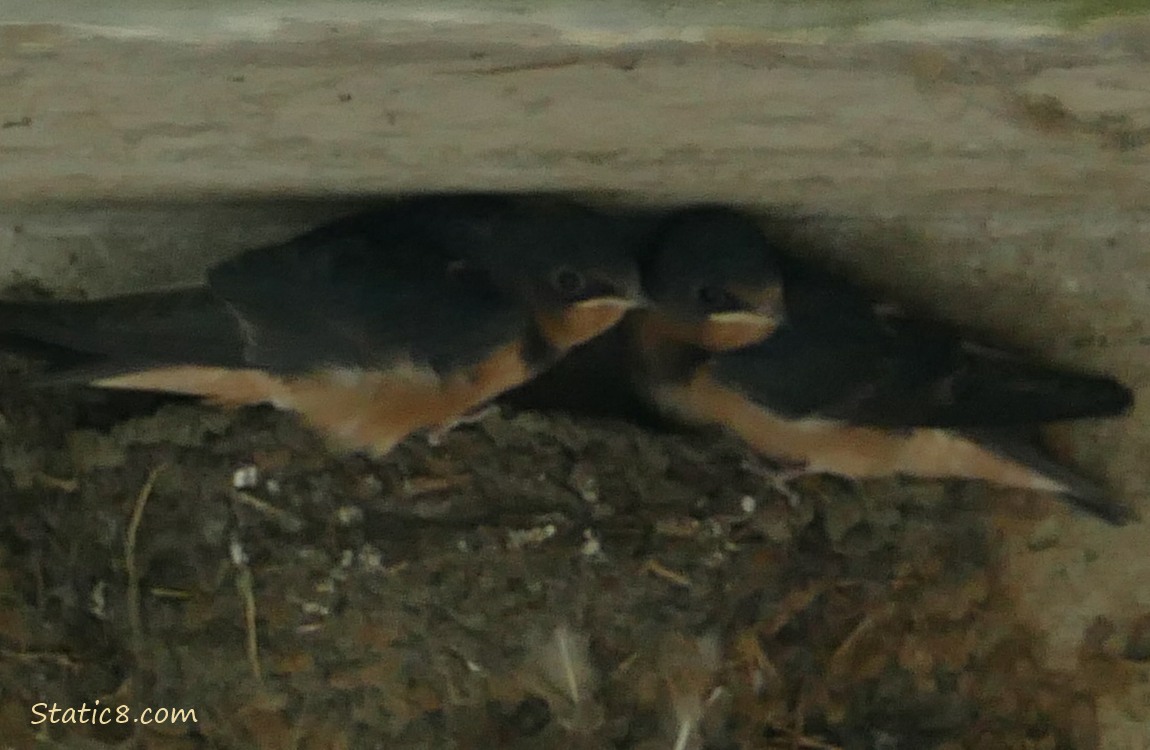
x,y
1022,446
83,340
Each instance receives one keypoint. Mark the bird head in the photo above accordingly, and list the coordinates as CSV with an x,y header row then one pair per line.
x,y
575,268
713,269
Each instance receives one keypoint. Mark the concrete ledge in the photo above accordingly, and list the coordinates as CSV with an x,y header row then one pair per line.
x,y
283,100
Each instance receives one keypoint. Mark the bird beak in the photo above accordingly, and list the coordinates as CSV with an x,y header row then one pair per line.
x,y
624,296
767,314
622,303
766,322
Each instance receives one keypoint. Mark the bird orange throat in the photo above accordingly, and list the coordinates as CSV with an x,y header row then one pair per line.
x,y
578,323
735,330
719,333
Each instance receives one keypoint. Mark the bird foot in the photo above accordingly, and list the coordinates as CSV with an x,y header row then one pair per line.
x,y
435,435
780,479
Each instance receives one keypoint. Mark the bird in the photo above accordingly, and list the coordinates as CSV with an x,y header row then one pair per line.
x,y
398,319
820,378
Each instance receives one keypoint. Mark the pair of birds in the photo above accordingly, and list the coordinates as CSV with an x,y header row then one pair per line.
x,y
412,316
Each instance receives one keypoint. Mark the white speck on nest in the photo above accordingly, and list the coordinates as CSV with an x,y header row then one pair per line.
x,y
310,555
314,609
237,554
370,558
714,560
517,538
583,481
98,601
246,477
592,547
748,503
349,515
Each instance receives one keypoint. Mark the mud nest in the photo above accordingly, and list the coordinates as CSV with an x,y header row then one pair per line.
x,y
536,581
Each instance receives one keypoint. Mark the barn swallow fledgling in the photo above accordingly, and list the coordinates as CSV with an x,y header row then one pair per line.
x,y
372,327
844,386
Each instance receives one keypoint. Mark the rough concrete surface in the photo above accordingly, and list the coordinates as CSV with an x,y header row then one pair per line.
x,y
998,177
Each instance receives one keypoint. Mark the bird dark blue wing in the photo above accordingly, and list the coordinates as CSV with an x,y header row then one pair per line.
x,y
368,291
840,356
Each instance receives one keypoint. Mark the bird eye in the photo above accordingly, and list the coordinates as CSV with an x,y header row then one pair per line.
x,y
568,282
